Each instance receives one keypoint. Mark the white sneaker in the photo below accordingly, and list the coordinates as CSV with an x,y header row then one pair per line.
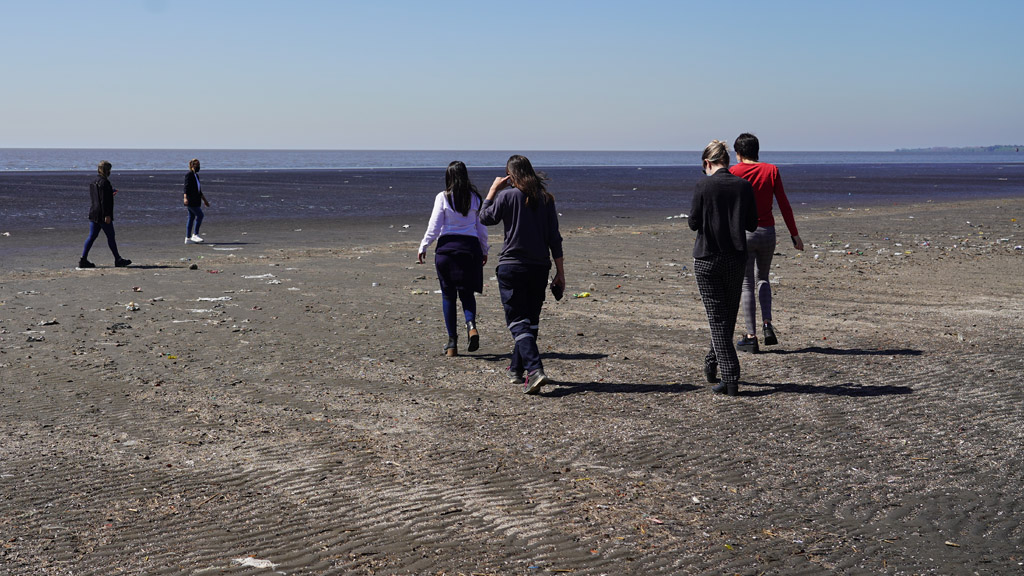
x,y
195,238
187,239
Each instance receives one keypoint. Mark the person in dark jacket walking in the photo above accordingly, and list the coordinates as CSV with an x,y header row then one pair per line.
x,y
722,212
101,216
194,199
521,202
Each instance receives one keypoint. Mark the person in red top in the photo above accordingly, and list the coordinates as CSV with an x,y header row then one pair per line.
x,y
767,185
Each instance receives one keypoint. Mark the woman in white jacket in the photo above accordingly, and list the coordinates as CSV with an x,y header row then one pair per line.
x,y
461,252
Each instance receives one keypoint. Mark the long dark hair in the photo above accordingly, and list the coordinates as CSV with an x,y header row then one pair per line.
x,y
529,182
458,189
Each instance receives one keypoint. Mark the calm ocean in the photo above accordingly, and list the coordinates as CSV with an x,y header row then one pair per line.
x,y
48,188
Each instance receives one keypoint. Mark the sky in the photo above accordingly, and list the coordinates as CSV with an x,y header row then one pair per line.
x,y
529,75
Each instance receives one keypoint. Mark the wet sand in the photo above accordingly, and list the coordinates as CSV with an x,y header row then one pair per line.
x,y
286,408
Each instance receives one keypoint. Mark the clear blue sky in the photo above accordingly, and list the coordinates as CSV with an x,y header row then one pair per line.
x,y
583,75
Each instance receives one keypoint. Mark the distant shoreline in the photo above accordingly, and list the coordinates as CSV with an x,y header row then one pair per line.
x,y
967,149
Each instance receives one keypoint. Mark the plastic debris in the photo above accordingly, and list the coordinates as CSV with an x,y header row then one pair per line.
x,y
132,307
35,339
217,299
136,289
251,562
48,322
258,276
581,295
194,267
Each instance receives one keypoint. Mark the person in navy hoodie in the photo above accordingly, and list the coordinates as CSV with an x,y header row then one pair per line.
x,y
520,201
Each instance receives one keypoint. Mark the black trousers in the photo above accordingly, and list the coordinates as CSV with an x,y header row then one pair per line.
x,y
720,281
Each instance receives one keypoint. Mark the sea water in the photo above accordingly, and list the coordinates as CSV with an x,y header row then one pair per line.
x,y
48,188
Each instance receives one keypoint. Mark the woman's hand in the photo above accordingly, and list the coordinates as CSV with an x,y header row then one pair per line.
x,y
205,201
421,256
485,260
108,220
499,184
185,197
798,243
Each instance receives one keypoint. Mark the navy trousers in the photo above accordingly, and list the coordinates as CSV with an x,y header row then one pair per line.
x,y
522,295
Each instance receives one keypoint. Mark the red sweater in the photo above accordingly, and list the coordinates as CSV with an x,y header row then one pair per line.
x,y
767,186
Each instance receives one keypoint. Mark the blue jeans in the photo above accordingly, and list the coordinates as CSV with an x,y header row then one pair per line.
x,y
522,296
195,214
94,232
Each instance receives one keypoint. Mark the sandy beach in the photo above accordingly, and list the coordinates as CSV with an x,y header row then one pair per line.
x,y
285,407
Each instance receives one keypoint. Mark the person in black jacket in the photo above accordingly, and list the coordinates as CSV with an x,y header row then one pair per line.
x,y
194,199
101,216
722,212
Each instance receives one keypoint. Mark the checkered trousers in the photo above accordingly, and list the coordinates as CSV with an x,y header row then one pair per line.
x,y
720,281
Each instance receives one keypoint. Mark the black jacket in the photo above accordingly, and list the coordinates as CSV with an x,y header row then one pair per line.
x,y
101,193
192,189
723,211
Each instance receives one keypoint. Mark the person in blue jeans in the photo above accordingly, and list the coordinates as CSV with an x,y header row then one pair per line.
x,y
521,203
101,216
194,199
461,252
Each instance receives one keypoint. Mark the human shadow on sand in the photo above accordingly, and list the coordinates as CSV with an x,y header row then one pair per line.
x,y
848,389
545,356
847,351
151,266
559,389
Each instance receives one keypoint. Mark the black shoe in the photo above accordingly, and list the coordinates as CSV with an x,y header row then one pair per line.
x,y
474,337
729,388
711,372
122,262
83,263
746,344
769,335
452,348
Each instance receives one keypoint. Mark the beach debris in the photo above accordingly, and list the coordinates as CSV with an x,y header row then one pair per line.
x,y
251,562
172,357
417,292
48,322
136,289
35,339
581,295
258,276
952,544
217,299
7,233
131,307
194,267
214,271
375,284
157,299
677,216
222,248
119,326
273,281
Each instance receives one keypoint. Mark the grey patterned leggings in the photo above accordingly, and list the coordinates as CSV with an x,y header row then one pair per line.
x,y
756,288
718,280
